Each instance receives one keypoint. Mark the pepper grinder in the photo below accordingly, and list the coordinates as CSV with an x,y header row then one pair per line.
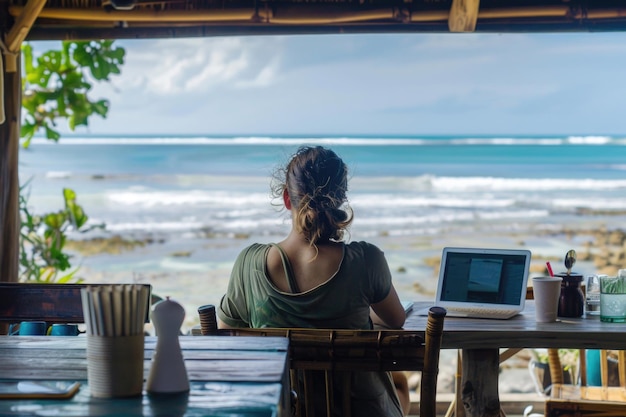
x,y
168,374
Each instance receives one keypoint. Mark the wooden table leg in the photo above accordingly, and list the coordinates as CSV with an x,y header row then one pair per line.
x,y
480,383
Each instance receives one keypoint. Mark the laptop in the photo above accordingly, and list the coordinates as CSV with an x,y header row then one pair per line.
x,y
483,283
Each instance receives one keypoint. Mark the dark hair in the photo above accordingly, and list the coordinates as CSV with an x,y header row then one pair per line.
x,y
317,182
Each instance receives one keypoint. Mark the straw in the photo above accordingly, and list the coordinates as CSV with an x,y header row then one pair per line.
x,y
127,312
549,269
142,306
133,307
97,310
84,297
118,309
108,312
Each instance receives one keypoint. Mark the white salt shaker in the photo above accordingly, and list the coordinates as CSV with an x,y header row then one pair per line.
x,y
168,374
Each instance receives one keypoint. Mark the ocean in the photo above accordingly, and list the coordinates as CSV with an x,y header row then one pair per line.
x,y
203,198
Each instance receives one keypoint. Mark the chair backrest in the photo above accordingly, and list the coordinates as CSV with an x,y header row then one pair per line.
x,y
606,400
336,350
612,377
52,303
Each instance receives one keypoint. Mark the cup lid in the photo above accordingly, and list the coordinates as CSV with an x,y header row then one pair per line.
x,y
572,277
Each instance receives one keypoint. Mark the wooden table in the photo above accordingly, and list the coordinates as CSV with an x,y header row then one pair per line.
x,y
482,339
229,376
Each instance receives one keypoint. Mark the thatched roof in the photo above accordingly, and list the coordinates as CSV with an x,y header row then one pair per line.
x,y
81,19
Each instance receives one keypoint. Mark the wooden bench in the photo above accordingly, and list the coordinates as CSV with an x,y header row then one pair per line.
x,y
52,303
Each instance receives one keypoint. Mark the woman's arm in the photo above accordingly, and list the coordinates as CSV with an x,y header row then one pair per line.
x,y
389,312
222,325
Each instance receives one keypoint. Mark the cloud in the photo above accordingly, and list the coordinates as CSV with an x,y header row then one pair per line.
x,y
196,66
413,83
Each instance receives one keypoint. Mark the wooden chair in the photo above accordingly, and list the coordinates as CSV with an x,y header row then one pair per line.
x,y
52,303
607,400
337,352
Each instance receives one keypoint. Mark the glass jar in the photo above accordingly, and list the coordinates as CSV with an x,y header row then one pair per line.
x,y
572,299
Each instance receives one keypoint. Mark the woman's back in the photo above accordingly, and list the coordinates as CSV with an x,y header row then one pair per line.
x,y
341,301
309,268
313,279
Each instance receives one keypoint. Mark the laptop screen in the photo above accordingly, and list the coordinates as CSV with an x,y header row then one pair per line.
x,y
484,276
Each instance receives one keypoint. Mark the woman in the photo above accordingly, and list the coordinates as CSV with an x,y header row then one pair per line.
x,y
313,279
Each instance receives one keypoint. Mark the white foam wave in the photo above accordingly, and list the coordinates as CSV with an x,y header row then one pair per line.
x,y
591,203
343,141
252,224
148,199
508,141
589,140
448,217
237,225
238,141
58,174
153,226
530,184
394,201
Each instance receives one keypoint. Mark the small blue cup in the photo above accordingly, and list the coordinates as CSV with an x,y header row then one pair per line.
x,y
30,328
63,330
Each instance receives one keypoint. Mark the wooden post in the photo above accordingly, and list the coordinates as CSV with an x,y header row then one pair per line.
x,y
480,382
9,184
463,15
9,141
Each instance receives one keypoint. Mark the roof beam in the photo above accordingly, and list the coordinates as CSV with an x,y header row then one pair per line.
x,y
463,15
22,25
99,15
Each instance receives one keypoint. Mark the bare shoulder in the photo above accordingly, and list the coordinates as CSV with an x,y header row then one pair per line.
x,y
275,269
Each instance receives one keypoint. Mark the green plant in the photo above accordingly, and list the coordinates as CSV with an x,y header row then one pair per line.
x,y
43,237
568,357
56,86
613,285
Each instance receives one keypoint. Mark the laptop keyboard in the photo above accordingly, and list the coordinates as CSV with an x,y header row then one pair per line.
x,y
481,313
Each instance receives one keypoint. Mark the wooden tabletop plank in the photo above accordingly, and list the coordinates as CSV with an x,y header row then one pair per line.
x,y
522,331
204,399
210,358
78,354
205,343
262,370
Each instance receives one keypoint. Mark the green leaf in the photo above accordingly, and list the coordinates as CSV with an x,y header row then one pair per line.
x,y
54,220
69,278
101,107
27,131
52,134
69,195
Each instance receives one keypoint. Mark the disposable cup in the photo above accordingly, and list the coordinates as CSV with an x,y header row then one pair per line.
x,y
547,291
115,365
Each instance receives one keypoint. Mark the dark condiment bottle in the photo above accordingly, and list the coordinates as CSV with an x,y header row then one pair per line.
x,y
572,299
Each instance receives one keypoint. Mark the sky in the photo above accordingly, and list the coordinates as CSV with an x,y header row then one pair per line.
x,y
373,84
